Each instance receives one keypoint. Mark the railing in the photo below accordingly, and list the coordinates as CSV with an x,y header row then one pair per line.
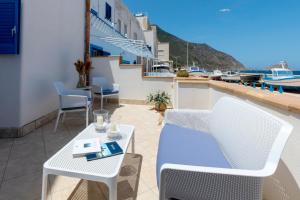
x,y
96,21
159,74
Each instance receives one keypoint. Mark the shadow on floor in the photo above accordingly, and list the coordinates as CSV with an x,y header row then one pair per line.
x,y
128,181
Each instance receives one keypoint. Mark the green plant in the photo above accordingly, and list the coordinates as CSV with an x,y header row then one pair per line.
x,y
158,98
182,73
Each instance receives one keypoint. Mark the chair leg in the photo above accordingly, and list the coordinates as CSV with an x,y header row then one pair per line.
x,y
87,116
63,117
91,114
57,120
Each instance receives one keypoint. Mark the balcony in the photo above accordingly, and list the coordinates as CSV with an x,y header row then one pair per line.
x,y
22,158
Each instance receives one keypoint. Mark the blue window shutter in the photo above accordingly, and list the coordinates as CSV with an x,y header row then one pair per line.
x,y
9,26
107,11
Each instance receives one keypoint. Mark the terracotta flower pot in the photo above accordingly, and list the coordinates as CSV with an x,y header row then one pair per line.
x,y
160,106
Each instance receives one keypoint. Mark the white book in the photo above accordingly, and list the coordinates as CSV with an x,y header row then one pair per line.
x,y
86,146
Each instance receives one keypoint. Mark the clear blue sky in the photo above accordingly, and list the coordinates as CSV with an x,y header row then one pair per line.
x,y
256,32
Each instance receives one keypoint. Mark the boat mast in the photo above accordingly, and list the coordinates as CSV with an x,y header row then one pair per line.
x,y
187,55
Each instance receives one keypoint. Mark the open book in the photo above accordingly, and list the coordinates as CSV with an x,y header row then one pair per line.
x,y
107,150
83,147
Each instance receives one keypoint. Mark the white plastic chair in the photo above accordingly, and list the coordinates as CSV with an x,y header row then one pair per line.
x,y
102,88
251,139
72,100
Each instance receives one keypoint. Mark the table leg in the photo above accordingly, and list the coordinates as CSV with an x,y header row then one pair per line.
x,y
132,142
45,186
113,189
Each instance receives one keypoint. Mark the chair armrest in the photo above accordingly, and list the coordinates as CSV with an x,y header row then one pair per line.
x,y
193,182
78,93
73,100
116,87
194,119
214,170
75,96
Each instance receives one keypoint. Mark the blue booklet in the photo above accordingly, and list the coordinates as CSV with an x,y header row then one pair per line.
x,y
107,150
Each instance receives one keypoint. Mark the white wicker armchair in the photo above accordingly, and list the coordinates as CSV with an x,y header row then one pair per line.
x,y
251,139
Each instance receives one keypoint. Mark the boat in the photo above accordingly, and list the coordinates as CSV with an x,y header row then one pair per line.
x,y
196,71
283,77
250,78
160,70
231,76
216,75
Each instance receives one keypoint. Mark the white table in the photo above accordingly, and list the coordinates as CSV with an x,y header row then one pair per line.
x,y
104,170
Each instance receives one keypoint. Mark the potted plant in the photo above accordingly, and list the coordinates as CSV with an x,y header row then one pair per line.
x,y
159,99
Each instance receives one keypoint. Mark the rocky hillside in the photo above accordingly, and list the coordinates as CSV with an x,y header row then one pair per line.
x,y
201,54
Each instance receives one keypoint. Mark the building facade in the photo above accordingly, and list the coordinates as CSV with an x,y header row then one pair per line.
x,y
118,19
163,51
150,32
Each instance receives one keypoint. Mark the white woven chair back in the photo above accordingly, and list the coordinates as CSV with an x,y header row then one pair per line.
x,y
245,133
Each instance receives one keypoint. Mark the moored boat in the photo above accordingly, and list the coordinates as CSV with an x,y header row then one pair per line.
x,y
283,77
231,76
250,78
216,75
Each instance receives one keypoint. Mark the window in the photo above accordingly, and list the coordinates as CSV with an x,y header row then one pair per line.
x,y
107,11
119,25
9,26
125,30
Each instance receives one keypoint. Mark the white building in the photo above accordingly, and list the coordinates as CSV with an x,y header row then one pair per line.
x,y
150,32
115,17
163,51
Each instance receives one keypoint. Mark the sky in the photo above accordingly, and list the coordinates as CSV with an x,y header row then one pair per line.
x,y
258,33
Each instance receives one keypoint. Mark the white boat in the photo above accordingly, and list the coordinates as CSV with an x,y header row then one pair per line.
x,y
231,76
283,77
216,75
160,70
196,71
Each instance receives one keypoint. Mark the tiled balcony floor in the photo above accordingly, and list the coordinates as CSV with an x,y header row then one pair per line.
x,y
21,160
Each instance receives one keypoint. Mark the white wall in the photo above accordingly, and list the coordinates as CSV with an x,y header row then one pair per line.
x,y
285,183
10,90
132,85
52,38
99,6
200,98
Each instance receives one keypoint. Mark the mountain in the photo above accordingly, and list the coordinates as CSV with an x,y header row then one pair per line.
x,y
201,54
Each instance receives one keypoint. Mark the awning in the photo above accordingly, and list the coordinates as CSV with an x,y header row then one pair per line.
x,y
108,34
